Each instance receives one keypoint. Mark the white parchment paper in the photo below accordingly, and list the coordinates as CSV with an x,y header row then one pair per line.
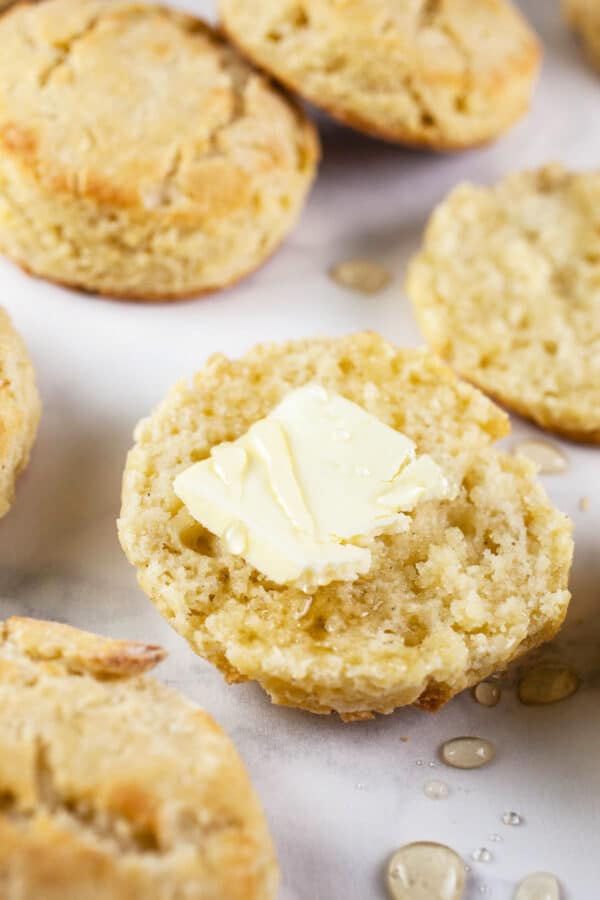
x,y
339,797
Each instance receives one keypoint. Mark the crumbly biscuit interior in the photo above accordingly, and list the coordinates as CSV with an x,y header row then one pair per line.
x,y
507,287
472,581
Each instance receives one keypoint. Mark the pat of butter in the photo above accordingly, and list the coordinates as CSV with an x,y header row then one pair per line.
x,y
305,491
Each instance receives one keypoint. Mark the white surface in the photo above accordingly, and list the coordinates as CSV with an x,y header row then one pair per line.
x,y
339,797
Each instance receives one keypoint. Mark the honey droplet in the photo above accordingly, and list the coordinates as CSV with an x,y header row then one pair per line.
x,y
423,871
548,458
547,684
487,693
436,790
512,818
235,538
482,855
361,275
467,752
539,886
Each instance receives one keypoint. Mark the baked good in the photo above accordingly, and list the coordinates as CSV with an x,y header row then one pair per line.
x,y
113,787
474,583
444,74
19,409
507,288
584,18
139,155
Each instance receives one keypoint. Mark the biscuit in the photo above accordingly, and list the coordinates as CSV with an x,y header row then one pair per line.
x,y
19,409
506,288
140,157
584,18
113,787
473,584
440,73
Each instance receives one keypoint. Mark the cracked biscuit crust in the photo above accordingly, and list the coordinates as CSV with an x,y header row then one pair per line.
x,y
139,155
507,289
440,73
19,409
584,18
113,787
474,583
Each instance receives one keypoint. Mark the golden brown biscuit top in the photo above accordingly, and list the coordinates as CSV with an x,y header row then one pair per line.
x,y
435,39
136,105
112,786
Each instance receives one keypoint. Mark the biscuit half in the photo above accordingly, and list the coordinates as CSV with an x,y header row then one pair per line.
x,y
113,787
140,156
19,409
506,288
445,74
473,584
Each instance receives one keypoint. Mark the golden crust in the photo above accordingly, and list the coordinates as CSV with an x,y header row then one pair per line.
x,y
81,652
139,155
150,298
583,16
448,75
113,787
474,583
505,288
19,409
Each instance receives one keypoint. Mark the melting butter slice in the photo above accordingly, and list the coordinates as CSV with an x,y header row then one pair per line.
x,y
307,489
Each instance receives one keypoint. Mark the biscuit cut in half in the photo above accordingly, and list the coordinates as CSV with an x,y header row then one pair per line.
x,y
140,156
507,289
19,409
473,584
113,787
583,16
445,74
